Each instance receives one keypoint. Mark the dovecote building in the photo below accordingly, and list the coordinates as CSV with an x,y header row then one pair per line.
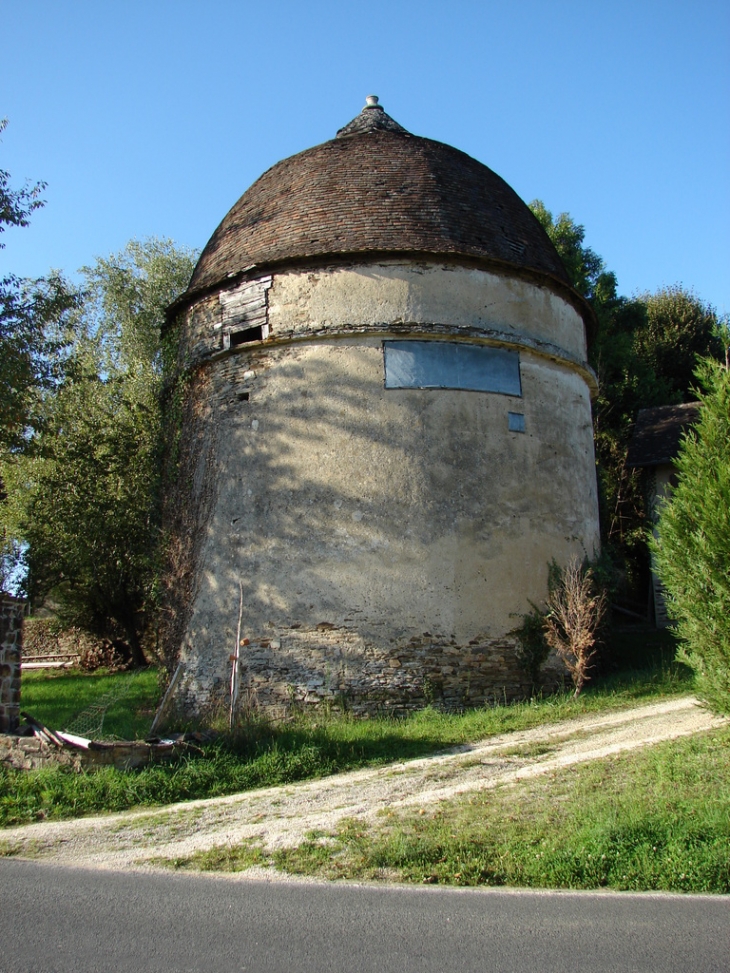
x,y
384,432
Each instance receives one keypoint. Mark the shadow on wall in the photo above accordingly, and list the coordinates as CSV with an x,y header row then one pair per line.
x,y
392,532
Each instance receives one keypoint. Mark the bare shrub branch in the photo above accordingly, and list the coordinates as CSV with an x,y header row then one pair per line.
x,y
575,610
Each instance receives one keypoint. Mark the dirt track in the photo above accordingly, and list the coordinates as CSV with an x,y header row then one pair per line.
x,y
282,816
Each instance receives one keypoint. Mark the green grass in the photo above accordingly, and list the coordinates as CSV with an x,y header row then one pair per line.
x,y
263,754
655,820
57,696
658,819
225,858
55,793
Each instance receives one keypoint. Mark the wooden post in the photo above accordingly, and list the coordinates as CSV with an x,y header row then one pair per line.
x,y
235,659
166,698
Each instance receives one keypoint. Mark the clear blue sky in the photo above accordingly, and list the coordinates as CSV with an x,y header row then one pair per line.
x,y
151,117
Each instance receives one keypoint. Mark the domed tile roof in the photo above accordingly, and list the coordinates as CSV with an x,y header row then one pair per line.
x,y
376,189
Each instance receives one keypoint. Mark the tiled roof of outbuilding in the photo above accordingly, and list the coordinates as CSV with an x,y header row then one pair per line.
x,y
658,433
376,189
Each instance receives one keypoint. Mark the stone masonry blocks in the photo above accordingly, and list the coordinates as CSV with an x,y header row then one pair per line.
x,y
11,646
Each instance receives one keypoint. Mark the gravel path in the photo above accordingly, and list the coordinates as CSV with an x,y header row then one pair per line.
x,y
282,816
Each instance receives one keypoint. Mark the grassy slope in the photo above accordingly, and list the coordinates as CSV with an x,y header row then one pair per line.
x,y
262,754
658,819
56,697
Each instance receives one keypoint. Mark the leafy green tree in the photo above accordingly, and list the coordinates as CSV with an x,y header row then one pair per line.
x,y
586,269
33,319
16,205
678,329
84,502
644,351
693,546
645,356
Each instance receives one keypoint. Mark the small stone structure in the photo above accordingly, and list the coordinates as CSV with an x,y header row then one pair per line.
x,y
33,753
11,648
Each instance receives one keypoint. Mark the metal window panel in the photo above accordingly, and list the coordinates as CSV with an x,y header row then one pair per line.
x,y
451,365
516,421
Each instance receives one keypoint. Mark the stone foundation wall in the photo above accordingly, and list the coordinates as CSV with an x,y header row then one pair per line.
x,y
303,669
11,647
43,637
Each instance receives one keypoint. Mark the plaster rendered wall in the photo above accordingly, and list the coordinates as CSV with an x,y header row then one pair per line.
x,y
423,294
386,540
391,297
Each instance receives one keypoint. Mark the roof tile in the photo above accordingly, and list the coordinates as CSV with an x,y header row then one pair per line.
x,y
376,188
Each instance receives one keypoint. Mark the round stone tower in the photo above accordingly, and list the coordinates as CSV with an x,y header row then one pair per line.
x,y
383,430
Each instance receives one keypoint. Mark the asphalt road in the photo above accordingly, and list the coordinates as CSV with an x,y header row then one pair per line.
x,y
58,920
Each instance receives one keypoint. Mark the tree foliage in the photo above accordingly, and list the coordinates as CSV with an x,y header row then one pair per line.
x,y
645,356
678,330
33,322
35,319
16,205
84,501
644,353
692,550
587,271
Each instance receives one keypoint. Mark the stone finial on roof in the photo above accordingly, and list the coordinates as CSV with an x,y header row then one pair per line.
x,y
371,119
